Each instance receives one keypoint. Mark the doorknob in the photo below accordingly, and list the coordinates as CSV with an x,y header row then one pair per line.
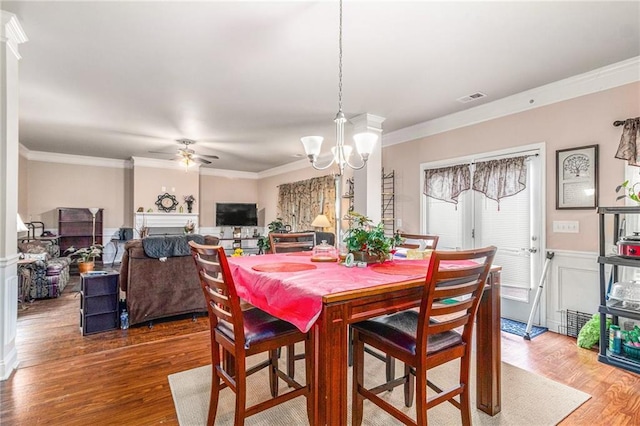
x,y
533,250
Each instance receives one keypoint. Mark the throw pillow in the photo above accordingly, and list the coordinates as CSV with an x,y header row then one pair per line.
x,y
36,256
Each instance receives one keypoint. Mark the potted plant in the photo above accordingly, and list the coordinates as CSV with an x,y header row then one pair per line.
x,y
367,242
85,257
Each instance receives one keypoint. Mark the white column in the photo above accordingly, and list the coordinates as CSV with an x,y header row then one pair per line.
x,y
367,182
11,34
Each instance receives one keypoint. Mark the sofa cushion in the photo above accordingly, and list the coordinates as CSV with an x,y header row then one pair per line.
x,y
37,256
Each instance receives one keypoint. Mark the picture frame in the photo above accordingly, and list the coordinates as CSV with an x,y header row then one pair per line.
x,y
577,178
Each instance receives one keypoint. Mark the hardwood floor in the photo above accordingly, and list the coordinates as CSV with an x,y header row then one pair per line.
x,y
120,377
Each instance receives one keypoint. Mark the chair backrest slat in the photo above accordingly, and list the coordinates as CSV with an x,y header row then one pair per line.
x,y
411,241
291,241
452,295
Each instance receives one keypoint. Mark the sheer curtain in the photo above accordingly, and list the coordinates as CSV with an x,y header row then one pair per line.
x,y
300,202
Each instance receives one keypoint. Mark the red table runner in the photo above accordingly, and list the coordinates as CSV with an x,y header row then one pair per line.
x,y
283,267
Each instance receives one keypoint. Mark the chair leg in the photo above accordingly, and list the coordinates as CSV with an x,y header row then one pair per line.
x,y
465,403
358,380
215,387
390,365
421,397
273,372
241,392
291,362
409,386
310,376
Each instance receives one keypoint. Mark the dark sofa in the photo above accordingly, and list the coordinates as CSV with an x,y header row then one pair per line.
x,y
157,288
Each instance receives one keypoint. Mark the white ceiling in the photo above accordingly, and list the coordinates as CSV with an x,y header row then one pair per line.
x,y
248,79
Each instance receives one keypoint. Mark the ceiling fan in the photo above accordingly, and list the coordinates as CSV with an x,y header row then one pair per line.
x,y
187,155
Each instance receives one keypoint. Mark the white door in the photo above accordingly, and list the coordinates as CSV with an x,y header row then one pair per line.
x,y
514,227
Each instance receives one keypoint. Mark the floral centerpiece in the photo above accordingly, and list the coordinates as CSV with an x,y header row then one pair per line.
x,y
367,242
189,200
189,227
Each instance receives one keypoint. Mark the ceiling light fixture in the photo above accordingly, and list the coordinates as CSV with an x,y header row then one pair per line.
x,y
364,143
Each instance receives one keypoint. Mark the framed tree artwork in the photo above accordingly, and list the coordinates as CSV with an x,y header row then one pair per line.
x,y
577,178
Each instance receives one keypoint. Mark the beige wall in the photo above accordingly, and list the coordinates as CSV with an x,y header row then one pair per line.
x,y
215,189
148,184
53,185
577,122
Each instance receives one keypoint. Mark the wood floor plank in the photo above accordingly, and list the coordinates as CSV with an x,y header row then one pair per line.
x,y
120,376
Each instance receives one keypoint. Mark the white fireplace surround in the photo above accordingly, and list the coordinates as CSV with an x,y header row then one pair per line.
x,y
165,220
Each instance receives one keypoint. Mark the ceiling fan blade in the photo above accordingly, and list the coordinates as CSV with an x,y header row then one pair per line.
x,y
161,152
215,157
200,160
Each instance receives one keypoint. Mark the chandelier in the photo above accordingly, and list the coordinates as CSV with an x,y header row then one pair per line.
x,y
364,143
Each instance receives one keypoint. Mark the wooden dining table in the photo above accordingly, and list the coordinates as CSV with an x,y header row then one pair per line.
x,y
325,298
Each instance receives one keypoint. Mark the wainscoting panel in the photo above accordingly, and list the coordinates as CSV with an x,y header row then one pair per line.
x,y
572,284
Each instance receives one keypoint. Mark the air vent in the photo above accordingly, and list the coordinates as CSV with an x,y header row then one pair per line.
x,y
471,97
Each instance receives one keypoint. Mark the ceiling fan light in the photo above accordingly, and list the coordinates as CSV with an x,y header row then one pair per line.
x,y
312,145
365,142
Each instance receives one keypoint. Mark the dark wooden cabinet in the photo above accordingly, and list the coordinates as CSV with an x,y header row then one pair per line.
x,y
99,302
75,228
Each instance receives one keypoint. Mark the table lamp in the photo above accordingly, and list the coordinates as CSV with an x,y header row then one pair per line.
x,y
321,221
21,227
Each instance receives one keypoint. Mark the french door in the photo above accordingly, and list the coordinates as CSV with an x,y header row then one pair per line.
x,y
514,226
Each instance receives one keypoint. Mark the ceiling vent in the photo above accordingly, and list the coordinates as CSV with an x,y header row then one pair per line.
x,y
471,97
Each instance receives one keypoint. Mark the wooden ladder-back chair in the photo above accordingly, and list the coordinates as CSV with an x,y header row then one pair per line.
x,y
291,242
241,334
412,241
427,338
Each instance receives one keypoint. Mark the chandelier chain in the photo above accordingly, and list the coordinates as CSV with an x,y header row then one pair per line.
x,y
340,62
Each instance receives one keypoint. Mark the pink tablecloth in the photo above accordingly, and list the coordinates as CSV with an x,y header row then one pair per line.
x,y
297,296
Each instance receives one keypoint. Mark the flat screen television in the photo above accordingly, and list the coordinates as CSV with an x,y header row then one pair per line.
x,y
236,214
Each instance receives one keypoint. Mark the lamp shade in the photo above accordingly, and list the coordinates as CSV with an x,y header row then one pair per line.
x,y
312,144
94,210
21,226
321,221
365,143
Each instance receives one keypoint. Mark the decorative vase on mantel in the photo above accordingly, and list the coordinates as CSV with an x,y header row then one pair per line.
x,y
189,207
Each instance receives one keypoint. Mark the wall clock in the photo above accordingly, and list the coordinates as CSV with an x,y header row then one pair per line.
x,y
166,202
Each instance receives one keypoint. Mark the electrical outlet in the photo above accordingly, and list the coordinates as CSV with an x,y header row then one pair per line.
x,y
566,226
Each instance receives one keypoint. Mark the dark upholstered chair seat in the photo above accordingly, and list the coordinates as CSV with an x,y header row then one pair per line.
x,y
400,330
258,327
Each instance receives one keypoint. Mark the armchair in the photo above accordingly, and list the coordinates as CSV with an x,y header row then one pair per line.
x,y
50,272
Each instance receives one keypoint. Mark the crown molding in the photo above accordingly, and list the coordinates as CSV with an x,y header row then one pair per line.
x,y
23,150
231,174
161,164
598,80
11,32
53,157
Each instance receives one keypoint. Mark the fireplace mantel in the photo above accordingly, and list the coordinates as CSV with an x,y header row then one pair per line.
x,y
165,220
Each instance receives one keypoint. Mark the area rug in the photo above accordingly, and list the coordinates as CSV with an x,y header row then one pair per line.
x,y
519,328
527,399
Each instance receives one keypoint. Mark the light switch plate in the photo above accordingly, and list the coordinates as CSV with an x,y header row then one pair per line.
x,y
566,226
